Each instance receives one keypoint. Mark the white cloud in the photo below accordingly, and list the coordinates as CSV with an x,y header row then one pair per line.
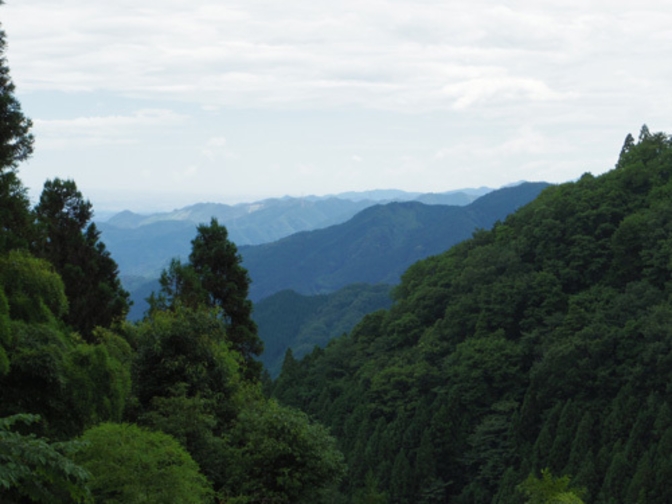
x,y
495,88
188,173
292,96
401,55
217,142
101,130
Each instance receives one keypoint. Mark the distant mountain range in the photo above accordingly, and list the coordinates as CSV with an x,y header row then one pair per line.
x,y
376,246
143,245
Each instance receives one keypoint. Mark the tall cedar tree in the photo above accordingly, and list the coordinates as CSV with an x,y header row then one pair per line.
x,y
71,243
16,145
214,277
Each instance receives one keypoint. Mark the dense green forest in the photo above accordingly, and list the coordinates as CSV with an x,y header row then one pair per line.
x,y
166,410
288,320
544,344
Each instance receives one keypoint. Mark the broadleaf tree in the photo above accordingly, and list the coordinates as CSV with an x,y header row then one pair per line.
x,y
35,469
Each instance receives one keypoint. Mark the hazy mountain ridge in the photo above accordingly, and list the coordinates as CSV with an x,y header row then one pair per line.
x,y
143,245
203,212
375,246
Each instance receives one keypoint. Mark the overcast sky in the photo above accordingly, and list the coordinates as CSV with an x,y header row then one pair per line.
x,y
160,103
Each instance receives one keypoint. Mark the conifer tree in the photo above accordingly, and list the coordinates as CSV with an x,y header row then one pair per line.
x,y
548,490
72,244
401,479
582,443
16,145
370,493
215,278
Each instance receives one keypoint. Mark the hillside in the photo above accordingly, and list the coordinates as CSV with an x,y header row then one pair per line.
x,y
375,246
290,320
543,343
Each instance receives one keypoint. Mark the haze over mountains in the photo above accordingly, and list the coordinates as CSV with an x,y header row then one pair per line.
x,y
374,246
142,245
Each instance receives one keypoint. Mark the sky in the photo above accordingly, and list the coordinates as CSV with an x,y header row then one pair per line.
x,y
155,104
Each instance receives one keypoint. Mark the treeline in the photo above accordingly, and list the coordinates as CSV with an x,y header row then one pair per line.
x,y
167,410
544,344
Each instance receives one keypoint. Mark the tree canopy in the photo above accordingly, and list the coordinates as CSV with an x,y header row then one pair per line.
x,y
542,343
131,465
70,241
214,278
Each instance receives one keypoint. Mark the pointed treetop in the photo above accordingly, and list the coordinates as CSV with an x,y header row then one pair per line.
x,y
16,141
644,133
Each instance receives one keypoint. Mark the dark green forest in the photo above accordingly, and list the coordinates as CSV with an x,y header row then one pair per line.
x,y
538,349
288,320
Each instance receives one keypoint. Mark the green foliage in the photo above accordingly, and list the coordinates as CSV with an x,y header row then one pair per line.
x,y
186,352
5,333
16,226
214,278
34,468
71,243
16,145
46,370
129,464
290,320
100,384
282,456
548,490
187,383
544,342
370,493
192,422
34,291
16,142
71,385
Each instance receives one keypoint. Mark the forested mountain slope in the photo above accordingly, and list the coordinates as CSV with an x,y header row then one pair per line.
x,y
376,245
291,320
543,343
